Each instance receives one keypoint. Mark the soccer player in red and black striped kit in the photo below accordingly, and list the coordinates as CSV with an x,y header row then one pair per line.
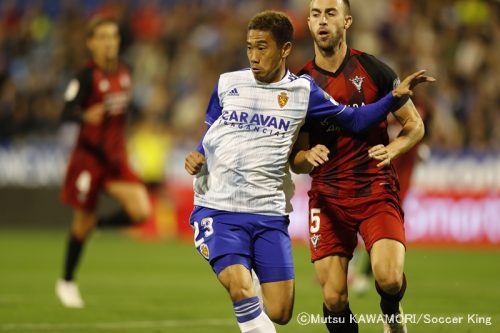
x,y
98,99
354,185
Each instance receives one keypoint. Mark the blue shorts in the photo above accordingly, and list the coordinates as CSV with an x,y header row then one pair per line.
x,y
258,242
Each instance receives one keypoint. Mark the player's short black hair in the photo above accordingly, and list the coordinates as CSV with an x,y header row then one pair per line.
x,y
278,23
97,22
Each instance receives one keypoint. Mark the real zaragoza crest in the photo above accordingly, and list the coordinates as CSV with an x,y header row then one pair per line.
x,y
204,250
282,99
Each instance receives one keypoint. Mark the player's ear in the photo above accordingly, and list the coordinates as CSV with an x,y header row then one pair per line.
x,y
286,49
309,23
347,21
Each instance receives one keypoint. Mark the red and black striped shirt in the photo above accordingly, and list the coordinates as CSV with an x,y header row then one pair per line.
x,y
92,86
350,172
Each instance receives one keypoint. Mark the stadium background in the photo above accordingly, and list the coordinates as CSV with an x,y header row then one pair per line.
x,y
150,279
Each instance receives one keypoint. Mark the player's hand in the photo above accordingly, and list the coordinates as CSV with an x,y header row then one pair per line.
x,y
406,86
194,162
381,153
317,155
94,114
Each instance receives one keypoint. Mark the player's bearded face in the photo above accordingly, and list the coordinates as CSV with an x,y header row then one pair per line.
x,y
266,58
327,23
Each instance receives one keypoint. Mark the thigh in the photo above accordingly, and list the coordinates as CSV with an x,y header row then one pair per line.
x,y
221,238
83,181
383,219
131,195
387,258
272,250
330,230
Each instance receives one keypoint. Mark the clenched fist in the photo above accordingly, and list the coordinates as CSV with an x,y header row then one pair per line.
x,y
194,162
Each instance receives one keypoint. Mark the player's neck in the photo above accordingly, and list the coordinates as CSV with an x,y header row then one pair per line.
x,y
106,64
330,60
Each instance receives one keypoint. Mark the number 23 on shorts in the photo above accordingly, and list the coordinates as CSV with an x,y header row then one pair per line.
x,y
205,227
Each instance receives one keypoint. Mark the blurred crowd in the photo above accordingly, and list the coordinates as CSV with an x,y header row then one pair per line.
x,y
177,49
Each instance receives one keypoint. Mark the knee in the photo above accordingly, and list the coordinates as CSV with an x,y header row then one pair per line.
x,y
389,279
82,227
335,301
238,291
140,211
280,315
142,214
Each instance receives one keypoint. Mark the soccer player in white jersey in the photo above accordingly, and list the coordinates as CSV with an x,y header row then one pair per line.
x,y
242,180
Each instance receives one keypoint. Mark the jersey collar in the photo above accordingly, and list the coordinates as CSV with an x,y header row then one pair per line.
x,y
339,70
284,79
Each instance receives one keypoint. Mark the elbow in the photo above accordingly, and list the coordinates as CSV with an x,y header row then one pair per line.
x,y
420,130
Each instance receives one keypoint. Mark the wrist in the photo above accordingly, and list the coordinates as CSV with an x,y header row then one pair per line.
x,y
395,94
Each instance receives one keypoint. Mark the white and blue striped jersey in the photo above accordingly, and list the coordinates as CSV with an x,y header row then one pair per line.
x,y
252,128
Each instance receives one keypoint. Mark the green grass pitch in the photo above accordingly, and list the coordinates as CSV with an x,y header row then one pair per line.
x,y
144,287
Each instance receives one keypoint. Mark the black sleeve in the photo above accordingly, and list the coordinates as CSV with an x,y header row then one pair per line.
x,y
77,92
383,76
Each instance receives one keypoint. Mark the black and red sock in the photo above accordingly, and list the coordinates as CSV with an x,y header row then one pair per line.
x,y
390,303
73,254
340,322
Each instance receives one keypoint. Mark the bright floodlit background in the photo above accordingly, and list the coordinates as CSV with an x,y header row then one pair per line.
x,y
151,279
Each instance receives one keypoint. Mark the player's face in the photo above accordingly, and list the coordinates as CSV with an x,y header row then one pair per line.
x,y
267,60
105,42
328,23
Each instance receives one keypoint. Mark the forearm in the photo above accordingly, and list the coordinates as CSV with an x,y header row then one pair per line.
x,y
299,163
409,136
360,119
200,147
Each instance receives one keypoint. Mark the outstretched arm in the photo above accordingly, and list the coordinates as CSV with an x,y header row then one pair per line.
x,y
360,119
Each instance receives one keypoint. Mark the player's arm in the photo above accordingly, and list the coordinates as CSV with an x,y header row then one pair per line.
x,y
304,159
412,132
195,160
360,119
77,92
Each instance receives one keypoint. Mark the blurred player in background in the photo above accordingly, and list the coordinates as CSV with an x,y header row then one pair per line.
x,y
242,178
98,100
354,185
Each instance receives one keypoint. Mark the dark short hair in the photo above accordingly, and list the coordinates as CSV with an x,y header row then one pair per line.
x,y
347,6
278,23
97,22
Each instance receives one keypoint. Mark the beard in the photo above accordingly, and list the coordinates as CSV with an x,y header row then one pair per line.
x,y
330,44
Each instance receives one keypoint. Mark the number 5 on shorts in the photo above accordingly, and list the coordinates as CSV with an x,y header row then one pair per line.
x,y
315,220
